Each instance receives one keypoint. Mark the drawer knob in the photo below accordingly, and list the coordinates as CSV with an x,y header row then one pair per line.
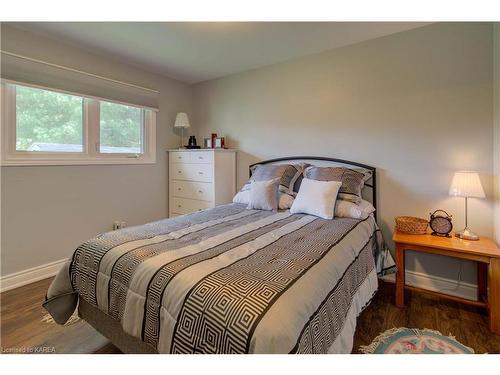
x,y
200,172
179,189
200,157
179,157
179,205
200,191
179,171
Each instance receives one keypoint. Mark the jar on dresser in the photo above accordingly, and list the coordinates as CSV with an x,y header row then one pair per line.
x,y
200,179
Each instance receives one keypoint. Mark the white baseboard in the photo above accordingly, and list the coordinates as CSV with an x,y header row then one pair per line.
x,y
17,279
437,284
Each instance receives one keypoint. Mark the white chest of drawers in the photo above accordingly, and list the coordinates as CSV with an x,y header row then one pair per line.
x,y
200,179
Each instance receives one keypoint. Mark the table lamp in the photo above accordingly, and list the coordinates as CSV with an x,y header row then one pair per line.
x,y
468,185
181,121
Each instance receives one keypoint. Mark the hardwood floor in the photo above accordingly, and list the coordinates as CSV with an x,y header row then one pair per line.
x,y
21,323
469,324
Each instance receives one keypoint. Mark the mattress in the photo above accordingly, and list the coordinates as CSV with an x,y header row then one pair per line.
x,y
229,280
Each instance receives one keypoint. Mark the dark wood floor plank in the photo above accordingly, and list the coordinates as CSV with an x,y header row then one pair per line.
x,y
21,323
468,324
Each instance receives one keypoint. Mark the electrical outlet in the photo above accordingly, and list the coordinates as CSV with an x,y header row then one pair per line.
x,y
117,225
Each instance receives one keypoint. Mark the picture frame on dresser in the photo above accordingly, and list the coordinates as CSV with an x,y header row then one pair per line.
x,y
200,179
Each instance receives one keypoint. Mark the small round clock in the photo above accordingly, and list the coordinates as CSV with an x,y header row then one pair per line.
x,y
441,225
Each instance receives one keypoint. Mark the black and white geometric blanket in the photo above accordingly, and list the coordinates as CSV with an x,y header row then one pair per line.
x,y
230,280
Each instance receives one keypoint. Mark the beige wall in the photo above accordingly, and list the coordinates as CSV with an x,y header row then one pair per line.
x,y
417,105
49,210
496,155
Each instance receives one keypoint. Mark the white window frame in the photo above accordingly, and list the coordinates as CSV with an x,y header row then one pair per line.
x,y
90,135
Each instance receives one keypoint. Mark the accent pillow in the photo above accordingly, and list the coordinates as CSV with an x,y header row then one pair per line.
x,y
300,167
285,201
264,195
345,208
352,181
287,173
316,198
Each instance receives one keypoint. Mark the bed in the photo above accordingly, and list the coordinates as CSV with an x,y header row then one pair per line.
x,y
228,280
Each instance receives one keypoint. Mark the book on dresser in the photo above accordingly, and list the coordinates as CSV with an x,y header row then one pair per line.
x,y
200,179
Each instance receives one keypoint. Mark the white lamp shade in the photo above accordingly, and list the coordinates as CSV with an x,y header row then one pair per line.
x,y
466,184
181,120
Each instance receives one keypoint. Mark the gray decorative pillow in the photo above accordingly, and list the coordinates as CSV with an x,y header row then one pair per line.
x,y
289,175
264,195
352,181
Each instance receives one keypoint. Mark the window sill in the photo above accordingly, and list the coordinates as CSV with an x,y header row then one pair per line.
x,y
110,161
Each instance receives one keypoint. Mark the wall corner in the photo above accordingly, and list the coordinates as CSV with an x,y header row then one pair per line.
x,y
496,128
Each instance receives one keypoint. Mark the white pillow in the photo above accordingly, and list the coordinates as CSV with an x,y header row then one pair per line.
x,y
352,210
316,198
242,197
285,200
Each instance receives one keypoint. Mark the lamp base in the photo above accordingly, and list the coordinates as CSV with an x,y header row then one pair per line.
x,y
467,234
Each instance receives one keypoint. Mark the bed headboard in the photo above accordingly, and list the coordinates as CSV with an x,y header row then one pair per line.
x,y
370,188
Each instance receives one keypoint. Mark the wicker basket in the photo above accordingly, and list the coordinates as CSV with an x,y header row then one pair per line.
x,y
411,225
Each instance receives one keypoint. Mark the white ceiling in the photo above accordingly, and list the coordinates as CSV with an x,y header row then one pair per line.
x,y
199,51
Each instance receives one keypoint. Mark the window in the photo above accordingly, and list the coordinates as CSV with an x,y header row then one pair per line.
x,y
43,126
122,128
48,121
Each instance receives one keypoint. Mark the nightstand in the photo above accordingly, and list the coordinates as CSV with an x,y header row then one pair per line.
x,y
484,251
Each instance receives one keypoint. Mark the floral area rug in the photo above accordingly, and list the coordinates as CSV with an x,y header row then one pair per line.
x,y
414,341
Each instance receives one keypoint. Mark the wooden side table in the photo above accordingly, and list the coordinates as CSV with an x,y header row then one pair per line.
x,y
485,252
